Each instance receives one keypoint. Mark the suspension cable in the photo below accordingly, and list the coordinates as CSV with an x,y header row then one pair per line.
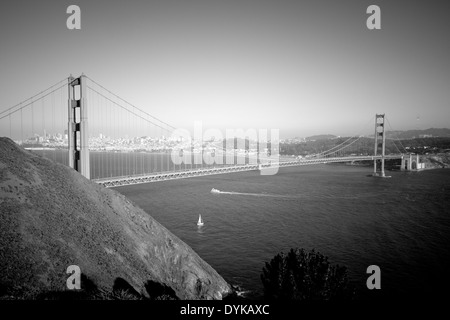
x,y
37,94
352,137
131,104
389,124
125,108
26,105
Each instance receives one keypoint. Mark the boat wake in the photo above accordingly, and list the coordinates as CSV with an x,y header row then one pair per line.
x,y
215,191
313,197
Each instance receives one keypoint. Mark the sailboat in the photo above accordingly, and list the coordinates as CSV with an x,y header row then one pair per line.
x,y
200,221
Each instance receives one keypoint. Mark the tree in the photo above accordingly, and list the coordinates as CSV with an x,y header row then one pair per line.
x,y
305,276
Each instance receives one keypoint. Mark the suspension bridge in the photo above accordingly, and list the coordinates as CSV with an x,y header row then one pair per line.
x,y
80,123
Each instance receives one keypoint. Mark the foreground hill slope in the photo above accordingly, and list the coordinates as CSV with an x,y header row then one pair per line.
x,y
52,217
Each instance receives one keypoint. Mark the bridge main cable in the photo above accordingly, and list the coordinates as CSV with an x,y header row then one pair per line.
x,y
118,97
26,105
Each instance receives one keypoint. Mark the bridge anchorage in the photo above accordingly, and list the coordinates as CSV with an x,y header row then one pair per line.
x,y
411,163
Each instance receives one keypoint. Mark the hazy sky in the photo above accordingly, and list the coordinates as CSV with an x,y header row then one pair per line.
x,y
304,67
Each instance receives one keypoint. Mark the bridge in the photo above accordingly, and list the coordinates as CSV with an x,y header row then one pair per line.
x,y
80,123
137,179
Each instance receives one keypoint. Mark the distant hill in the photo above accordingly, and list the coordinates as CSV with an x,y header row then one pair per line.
x,y
320,137
408,134
52,217
412,134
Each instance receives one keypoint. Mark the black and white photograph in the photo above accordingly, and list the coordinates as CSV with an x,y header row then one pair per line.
x,y
225,159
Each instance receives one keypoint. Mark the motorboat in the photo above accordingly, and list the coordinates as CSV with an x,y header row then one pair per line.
x,y
215,190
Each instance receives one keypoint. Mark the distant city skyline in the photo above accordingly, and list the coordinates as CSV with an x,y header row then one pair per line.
x,y
304,67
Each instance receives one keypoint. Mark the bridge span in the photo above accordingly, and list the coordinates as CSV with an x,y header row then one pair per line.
x,y
164,176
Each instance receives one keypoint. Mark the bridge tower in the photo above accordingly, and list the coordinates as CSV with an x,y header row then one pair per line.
x,y
379,135
78,126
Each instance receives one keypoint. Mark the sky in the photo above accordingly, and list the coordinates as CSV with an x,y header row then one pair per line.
x,y
303,67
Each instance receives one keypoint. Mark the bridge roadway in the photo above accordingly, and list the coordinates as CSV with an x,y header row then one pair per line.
x,y
163,176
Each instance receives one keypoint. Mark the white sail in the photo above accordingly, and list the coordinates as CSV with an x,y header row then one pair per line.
x,y
200,221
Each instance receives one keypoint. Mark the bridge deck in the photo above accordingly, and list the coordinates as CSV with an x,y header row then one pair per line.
x,y
163,176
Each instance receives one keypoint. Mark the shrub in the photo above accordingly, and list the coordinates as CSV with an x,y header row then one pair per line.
x,y
300,275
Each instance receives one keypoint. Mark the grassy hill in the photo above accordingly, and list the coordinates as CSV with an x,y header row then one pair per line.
x,y
52,217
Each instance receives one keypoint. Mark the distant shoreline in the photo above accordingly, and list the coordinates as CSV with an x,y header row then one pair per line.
x,y
432,161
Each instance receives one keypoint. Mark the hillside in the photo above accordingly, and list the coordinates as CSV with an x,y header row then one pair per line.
x,y
320,137
52,217
435,161
365,146
412,134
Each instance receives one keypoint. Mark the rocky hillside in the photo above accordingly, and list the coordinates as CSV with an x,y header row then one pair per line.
x,y
52,217
439,160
